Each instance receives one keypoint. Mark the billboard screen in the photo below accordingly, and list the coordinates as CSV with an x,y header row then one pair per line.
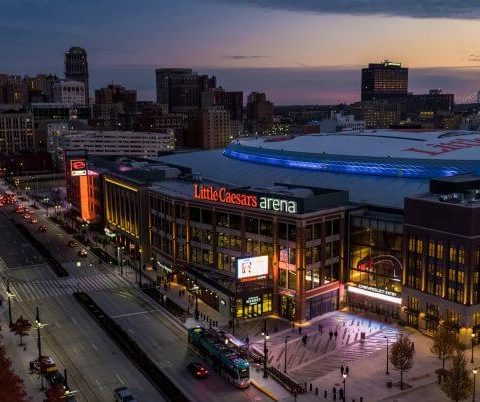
x,y
253,267
78,167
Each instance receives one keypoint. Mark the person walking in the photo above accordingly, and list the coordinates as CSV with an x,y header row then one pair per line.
x,y
340,394
334,392
330,334
325,394
336,334
247,341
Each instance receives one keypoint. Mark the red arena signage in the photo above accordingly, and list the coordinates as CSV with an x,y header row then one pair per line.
x,y
78,167
224,196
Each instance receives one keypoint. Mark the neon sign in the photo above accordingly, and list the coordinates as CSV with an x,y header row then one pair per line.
x,y
225,196
78,167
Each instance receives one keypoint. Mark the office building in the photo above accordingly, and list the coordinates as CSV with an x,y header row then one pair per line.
x,y
69,92
16,132
259,114
385,80
181,89
115,108
76,68
232,101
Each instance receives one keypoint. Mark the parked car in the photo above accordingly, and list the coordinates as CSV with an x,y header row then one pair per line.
x,y
123,394
198,370
33,221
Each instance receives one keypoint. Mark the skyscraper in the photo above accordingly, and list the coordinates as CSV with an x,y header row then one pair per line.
x,y
385,80
259,114
181,89
76,68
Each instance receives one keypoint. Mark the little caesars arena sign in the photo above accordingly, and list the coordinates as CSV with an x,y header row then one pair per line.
x,y
224,196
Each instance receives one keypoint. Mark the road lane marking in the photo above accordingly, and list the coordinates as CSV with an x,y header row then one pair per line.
x,y
120,379
137,313
94,346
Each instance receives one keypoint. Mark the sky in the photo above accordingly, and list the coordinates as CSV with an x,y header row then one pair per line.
x,y
297,51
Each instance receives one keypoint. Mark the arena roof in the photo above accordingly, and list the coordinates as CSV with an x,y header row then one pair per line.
x,y
376,190
415,154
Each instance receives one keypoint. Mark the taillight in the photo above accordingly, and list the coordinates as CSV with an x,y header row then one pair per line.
x,y
198,373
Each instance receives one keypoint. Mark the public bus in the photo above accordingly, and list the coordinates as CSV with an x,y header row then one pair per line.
x,y
214,348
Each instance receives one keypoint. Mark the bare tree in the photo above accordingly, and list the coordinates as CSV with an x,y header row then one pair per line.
x,y
21,327
458,384
402,355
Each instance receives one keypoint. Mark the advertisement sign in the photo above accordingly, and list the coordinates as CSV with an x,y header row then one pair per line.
x,y
78,167
252,268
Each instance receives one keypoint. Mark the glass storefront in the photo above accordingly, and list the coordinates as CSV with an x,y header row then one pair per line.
x,y
287,307
253,306
375,251
321,304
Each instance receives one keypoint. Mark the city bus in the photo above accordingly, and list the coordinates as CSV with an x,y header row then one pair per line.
x,y
213,347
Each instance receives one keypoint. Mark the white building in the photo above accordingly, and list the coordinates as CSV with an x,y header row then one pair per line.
x,y
341,122
118,143
69,92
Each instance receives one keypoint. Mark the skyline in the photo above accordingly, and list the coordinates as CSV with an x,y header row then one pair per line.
x,y
261,48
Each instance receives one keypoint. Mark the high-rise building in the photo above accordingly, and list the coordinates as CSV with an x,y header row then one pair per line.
x,y
181,89
385,80
232,101
215,128
115,107
16,132
259,114
76,68
69,92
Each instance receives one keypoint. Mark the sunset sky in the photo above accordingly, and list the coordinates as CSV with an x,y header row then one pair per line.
x,y
303,51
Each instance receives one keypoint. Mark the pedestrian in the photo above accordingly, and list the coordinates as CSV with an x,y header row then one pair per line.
x,y
334,391
247,340
330,334
439,378
180,293
336,334
325,394
320,328
340,394
299,330
168,285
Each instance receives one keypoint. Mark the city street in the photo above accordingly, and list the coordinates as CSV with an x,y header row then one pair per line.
x,y
166,341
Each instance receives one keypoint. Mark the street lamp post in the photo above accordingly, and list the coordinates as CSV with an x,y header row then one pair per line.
x,y
345,371
285,366
474,371
387,372
39,345
265,352
473,338
9,297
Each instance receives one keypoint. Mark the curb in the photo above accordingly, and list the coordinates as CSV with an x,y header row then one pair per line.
x,y
263,390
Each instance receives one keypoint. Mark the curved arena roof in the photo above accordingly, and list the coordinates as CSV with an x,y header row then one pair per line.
x,y
414,154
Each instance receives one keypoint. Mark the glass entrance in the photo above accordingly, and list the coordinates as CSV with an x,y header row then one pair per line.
x,y
253,311
287,307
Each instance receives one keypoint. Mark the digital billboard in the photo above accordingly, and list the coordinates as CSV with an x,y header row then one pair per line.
x,y
252,268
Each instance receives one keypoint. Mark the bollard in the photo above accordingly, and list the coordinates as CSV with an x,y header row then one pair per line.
x,y
316,390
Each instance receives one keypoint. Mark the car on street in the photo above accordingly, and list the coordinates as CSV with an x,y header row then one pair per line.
x,y
33,221
27,216
123,394
198,370
72,243
42,228
82,253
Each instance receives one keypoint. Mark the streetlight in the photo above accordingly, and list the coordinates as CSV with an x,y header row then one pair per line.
x,y
474,381
386,337
285,366
265,352
39,344
344,370
9,297
473,338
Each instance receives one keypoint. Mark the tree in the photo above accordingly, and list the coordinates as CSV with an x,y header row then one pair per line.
x,y
457,384
401,355
445,343
10,383
56,393
21,327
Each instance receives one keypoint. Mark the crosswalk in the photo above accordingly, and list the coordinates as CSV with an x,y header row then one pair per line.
x,y
35,290
323,354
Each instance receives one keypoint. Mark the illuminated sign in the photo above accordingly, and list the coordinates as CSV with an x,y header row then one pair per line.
x,y
225,196
253,300
78,167
375,293
252,268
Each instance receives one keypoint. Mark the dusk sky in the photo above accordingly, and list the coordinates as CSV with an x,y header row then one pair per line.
x,y
303,51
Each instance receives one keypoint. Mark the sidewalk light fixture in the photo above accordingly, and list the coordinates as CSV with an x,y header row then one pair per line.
x,y
387,372
345,371
474,371
473,339
266,337
285,366
9,297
